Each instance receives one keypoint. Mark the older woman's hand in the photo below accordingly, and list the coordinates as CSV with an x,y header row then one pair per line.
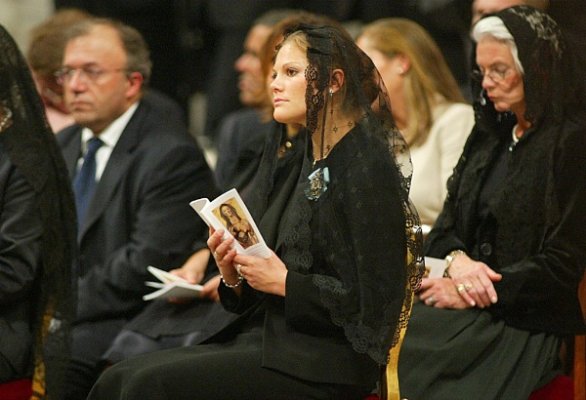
x,y
474,281
441,293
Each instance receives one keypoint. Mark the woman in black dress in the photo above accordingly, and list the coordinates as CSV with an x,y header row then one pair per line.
x,y
37,234
317,318
513,228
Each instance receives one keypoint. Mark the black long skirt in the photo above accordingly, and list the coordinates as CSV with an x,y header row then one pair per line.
x,y
467,354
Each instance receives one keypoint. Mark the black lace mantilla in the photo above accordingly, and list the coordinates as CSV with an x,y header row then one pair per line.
x,y
549,79
361,239
32,147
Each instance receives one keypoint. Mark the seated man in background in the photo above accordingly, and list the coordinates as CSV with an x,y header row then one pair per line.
x,y
134,169
242,133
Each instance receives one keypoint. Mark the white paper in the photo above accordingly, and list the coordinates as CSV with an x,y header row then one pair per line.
x,y
170,286
435,267
228,212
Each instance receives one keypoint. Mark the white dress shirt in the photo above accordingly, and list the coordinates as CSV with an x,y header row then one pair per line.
x,y
109,137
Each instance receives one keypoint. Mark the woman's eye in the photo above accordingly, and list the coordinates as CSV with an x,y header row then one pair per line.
x,y
273,76
291,72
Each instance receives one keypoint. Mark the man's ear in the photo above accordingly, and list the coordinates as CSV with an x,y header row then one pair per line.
x,y
135,80
337,80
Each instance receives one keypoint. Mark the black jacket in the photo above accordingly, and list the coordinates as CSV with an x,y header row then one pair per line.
x,y
535,231
21,231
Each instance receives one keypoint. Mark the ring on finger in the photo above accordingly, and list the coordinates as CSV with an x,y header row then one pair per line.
x,y
468,286
238,267
460,287
430,301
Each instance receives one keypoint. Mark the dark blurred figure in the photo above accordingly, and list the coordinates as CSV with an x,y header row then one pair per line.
x,y
229,22
480,8
37,234
242,133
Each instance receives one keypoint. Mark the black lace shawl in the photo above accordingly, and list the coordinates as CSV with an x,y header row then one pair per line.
x,y
361,239
31,146
539,242
551,84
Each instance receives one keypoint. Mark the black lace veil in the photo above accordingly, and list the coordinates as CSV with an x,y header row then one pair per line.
x,y
549,80
375,330
32,147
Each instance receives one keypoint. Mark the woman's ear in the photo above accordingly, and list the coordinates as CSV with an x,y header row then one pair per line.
x,y
337,80
403,62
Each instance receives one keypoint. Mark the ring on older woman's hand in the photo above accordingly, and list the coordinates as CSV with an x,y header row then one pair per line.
x,y
215,254
460,287
238,266
468,286
430,301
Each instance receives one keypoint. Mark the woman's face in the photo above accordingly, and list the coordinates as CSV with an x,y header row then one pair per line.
x,y
227,211
501,80
288,85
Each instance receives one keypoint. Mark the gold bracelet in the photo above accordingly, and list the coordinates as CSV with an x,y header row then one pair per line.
x,y
450,259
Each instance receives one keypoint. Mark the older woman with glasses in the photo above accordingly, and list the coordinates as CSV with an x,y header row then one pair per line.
x,y
513,228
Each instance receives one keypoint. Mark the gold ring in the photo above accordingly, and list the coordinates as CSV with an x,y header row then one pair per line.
x,y
468,286
430,301
460,287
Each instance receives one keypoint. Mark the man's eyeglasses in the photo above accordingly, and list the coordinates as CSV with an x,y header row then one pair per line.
x,y
88,74
496,74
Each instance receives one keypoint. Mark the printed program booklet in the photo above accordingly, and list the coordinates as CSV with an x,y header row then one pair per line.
x,y
228,212
170,285
434,267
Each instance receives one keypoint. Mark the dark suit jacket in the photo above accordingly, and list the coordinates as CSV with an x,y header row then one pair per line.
x,y
20,248
241,140
140,212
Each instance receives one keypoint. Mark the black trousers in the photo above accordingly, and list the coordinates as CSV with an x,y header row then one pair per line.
x,y
211,371
90,341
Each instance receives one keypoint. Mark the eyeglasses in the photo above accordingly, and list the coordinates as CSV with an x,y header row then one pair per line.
x,y
87,73
496,73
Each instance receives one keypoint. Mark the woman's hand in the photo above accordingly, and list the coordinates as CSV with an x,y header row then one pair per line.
x,y
210,289
193,271
441,293
224,253
474,281
194,268
265,274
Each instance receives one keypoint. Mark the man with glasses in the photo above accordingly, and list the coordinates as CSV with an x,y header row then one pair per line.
x,y
134,169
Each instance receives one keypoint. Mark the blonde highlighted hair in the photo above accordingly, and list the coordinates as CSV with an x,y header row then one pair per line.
x,y
428,81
